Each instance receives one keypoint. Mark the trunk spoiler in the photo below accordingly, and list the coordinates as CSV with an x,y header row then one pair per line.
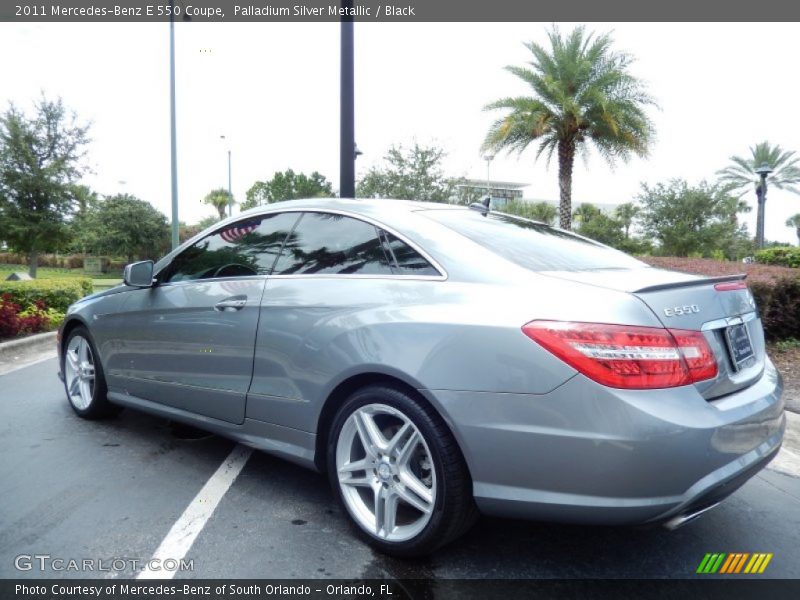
x,y
690,283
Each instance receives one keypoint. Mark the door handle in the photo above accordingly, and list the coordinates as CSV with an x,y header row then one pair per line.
x,y
231,304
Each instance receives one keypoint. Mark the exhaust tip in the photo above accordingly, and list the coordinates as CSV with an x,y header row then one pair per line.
x,y
681,520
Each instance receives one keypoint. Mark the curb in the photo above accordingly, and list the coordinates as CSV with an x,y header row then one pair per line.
x,y
40,341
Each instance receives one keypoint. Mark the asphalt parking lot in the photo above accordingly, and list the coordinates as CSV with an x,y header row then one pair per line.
x,y
114,489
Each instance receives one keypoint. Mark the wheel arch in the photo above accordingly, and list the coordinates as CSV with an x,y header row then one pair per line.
x,y
70,323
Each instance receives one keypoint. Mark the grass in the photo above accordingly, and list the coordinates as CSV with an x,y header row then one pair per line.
x,y
53,273
786,345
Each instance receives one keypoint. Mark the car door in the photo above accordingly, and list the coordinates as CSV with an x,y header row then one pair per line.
x,y
190,339
335,277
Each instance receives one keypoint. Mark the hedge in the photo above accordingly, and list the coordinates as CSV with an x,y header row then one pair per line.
x,y
785,256
56,293
779,304
73,261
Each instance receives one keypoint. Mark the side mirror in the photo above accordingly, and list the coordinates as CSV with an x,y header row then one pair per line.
x,y
139,274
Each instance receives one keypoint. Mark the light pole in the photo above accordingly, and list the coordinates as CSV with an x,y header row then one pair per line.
x,y
347,136
488,158
761,193
230,193
173,157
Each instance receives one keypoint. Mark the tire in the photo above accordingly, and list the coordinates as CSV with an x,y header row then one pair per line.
x,y
414,493
84,380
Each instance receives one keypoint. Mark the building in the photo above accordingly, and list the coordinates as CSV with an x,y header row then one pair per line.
x,y
501,192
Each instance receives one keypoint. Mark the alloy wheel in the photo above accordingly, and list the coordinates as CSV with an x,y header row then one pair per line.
x,y
386,473
79,372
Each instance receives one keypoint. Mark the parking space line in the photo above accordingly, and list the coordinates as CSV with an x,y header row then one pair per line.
x,y
787,462
180,538
5,369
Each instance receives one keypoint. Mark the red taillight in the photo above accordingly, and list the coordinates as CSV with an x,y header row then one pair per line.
x,y
628,356
730,286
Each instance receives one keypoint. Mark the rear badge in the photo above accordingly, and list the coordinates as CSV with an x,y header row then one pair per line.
x,y
686,309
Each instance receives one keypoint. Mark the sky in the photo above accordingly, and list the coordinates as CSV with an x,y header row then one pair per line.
x,y
272,89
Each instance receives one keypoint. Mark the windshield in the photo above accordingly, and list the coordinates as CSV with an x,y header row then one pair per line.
x,y
529,244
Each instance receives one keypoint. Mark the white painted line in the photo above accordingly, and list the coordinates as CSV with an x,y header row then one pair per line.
x,y
787,462
186,529
50,355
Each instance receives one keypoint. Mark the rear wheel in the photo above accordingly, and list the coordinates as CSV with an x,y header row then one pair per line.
x,y
84,380
399,473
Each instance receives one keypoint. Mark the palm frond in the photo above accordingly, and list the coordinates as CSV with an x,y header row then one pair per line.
x,y
741,173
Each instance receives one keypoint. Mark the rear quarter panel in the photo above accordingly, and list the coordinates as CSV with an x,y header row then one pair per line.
x,y
315,332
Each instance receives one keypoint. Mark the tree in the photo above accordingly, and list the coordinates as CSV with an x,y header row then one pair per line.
x,y
603,228
595,224
466,193
86,200
740,175
220,199
207,222
544,212
41,160
288,186
686,220
626,214
794,221
585,212
413,174
123,225
583,92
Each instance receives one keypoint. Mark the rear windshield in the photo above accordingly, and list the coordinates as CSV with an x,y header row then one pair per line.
x,y
532,245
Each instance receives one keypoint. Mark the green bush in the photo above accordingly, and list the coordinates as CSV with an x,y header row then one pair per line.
x,y
779,305
785,256
55,293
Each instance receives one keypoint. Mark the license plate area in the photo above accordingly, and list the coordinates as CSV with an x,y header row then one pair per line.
x,y
740,348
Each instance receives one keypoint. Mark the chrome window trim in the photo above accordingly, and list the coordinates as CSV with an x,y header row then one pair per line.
x,y
442,276
210,280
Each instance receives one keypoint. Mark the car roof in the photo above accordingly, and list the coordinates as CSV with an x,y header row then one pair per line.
x,y
369,206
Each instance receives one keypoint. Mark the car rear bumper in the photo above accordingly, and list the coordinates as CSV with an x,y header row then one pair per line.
x,y
590,454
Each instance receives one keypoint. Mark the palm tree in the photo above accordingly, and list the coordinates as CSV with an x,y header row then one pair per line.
x,y
220,199
544,212
582,91
626,214
741,174
585,212
794,221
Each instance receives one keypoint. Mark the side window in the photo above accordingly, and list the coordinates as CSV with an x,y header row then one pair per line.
x,y
247,247
408,260
329,243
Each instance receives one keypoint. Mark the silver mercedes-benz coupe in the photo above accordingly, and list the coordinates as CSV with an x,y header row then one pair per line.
x,y
439,362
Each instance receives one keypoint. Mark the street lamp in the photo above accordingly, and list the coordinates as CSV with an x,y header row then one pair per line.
x,y
761,193
488,158
230,193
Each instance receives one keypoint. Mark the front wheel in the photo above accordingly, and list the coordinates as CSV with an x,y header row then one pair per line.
x,y
83,377
399,473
